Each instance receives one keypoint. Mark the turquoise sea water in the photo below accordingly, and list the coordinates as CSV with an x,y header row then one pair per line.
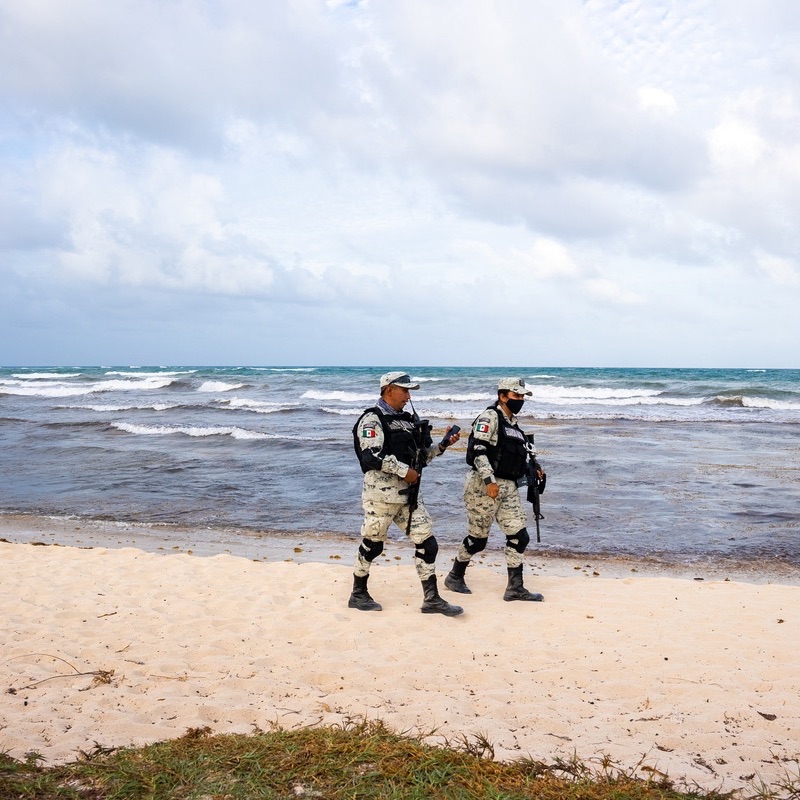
x,y
679,464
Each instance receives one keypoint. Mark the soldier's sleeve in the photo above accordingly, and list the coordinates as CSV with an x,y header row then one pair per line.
x,y
484,432
394,467
371,440
432,452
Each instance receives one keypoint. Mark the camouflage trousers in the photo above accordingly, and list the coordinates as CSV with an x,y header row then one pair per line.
x,y
379,515
482,511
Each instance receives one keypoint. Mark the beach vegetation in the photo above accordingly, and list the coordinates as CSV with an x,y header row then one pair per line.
x,y
356,760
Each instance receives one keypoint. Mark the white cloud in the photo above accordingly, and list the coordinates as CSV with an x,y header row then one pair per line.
x,y
548,259
657,101
352,157
735,144
544,260
608,291
783,271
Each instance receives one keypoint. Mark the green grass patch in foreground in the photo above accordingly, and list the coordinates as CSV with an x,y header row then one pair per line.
x,y
355,761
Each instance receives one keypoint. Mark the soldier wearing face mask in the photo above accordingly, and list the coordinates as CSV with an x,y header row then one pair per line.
x,y
498,457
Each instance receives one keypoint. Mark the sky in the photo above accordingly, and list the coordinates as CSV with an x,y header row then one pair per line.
x,y
425,182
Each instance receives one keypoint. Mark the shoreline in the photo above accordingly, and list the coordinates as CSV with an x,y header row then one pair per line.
x,y
697,680
323,547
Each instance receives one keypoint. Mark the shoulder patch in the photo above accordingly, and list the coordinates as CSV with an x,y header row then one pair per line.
x,y
482,427
369,433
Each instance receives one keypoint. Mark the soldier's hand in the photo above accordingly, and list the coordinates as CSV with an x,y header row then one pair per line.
x,y
492,489
412,476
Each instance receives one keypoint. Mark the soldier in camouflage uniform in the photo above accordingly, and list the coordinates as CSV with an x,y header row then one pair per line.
x,y
498,456
386,439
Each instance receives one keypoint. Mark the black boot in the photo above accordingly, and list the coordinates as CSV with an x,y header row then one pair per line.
x,y
454,581
433,604
359,598
515,590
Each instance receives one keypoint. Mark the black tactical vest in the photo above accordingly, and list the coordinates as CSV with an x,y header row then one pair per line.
x,y
400,437
508,457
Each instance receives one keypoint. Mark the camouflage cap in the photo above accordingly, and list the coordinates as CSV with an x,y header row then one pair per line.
x,y
513,385
401,379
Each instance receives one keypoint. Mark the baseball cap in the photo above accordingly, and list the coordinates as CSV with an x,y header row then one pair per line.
x,y
401,379
513,385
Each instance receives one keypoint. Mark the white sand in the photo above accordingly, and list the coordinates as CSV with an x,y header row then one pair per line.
x,y
699,680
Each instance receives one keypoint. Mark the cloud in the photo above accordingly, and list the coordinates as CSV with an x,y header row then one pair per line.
x,y
340,161
171,73
657,101
607,290
783,271
735,144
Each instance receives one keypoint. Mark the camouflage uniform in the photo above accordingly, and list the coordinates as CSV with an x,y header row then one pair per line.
x,y
388,442
384,495
498,454
482,510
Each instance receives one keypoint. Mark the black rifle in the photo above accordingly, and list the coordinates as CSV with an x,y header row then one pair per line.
x,y
422,440
536,483
422,434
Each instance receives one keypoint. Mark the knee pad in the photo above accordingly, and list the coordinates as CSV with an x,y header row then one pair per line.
x,y
473,545
519,541
427,550
370,549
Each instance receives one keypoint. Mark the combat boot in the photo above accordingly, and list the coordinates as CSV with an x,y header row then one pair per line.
x,y
454,580
360,597
515,590
433,604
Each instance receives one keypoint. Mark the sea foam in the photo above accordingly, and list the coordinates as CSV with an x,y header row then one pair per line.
x,y
218,386
257,406
347,397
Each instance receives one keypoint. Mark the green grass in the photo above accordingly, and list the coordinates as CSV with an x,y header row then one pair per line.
x,y
356,761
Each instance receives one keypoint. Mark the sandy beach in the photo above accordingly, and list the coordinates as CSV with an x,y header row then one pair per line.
x,y
697,679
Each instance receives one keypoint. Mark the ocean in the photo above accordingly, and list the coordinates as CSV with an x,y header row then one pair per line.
x,y
671,464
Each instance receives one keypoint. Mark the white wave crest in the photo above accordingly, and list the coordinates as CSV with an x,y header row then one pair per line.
x,y
42,391
344,412
766,402
475,397
38,376
149,383
151,374
347,397
199,431
588,394
284,369
621,401
258,406
108,407
218,386
58,389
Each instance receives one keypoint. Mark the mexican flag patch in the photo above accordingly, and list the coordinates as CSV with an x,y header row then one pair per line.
x,y
482,427
369,433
